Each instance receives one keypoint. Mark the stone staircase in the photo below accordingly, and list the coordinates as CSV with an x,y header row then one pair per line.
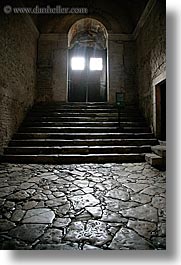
x,y
63,133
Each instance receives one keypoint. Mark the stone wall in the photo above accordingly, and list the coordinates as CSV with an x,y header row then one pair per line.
x,y
151,58
18,42
122,68
52,67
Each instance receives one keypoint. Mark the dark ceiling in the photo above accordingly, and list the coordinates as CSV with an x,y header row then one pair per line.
x,y
119,16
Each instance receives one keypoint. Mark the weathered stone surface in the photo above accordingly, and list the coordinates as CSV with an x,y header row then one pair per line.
x,y
153,190
142,198
145,212
143,228
18,196
92,215
17,215
61,222
39,216
28,232
6,191
94,232
115,205
82,201
51,236
119,194
96,211
56,202
112,217
6,225
159,202
128,239
135,187
29,205
64,246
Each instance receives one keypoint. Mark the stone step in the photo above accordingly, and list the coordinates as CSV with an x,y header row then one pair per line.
x,y
156,160
70,136
159,150
72,159
79,142
83,119
77,150
82,123
83,129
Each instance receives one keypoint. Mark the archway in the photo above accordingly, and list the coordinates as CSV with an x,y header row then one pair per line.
x,y
87,61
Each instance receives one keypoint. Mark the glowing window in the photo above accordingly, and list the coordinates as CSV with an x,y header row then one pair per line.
x,y
78,63
96,64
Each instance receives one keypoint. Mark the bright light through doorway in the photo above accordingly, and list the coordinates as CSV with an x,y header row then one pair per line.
x,y
78,63
96,64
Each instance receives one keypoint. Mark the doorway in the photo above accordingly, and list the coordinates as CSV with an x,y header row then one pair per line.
x,y
87,75
161,110
87,62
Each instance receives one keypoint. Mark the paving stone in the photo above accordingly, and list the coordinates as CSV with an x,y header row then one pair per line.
x,y
94,232
158,202
142,198
17,215
39,216
143,228
115,205
81,201
9,205
19,196
88,190
52,235
56,202
144,212
112,217
62,222
39,197
159,242
26,185
89,247
135,186
118,193
4,192
13,244
64,246
162,229
99,186
29,205
95,211
6,225
128,239
153,190
58,194
63,210
81,183
28,232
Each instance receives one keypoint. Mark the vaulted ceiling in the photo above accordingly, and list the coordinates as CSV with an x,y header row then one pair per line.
x,y
118,16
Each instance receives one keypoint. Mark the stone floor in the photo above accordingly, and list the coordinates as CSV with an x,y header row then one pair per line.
x,y
82,207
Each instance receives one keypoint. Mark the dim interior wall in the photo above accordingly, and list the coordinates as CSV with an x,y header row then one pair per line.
x,y
52,67
122,68
151,59
18,42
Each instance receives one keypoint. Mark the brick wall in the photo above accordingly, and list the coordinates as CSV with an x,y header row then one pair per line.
x,y
18,42
151,57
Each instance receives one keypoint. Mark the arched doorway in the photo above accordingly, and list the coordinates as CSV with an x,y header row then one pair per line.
x,y
87,61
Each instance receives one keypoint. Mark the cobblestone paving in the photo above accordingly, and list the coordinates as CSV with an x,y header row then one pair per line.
x,y
82,207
